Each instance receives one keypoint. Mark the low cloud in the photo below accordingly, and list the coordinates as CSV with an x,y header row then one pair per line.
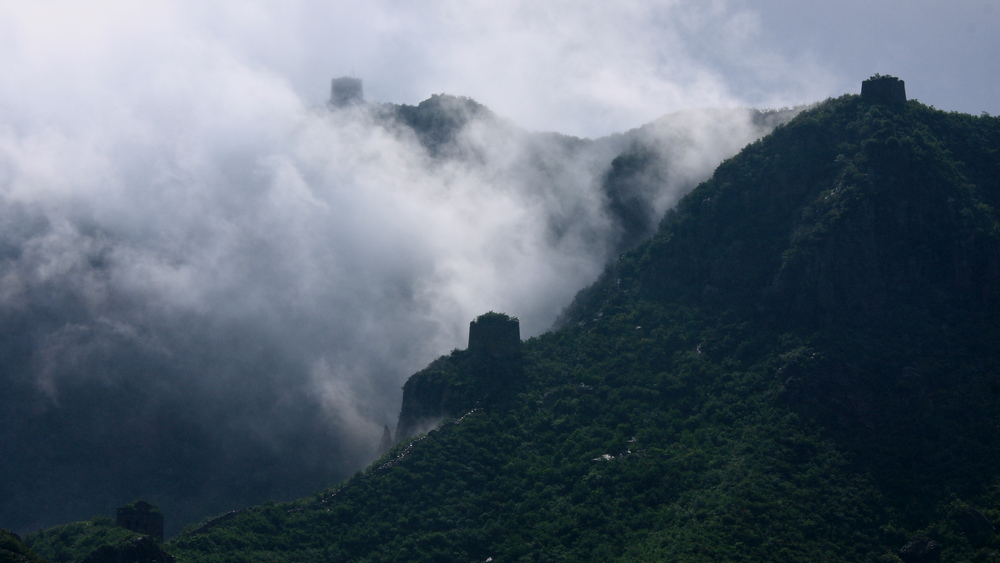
x,y
212,288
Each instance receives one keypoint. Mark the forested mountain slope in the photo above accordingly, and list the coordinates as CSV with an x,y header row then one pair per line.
x,y
801,365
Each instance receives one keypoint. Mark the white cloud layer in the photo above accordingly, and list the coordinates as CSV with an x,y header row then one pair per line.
x,y
584,68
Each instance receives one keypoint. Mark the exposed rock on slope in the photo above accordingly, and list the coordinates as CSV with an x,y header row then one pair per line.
x,y
452,385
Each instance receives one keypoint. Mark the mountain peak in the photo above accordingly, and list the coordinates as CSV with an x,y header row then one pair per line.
x,y
846,210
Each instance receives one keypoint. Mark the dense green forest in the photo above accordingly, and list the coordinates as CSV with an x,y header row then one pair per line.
x,y
13,550
801,365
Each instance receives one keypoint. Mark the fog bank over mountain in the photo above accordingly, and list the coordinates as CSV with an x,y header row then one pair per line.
x,y
219,303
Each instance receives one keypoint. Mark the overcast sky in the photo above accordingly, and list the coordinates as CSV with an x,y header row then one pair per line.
x,y
586,68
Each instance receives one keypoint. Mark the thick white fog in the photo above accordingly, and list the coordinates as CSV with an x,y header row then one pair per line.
x,y
333,239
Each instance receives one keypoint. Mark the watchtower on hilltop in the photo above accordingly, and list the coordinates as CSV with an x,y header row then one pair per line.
x,y
495,333
345,91
885,89
142,517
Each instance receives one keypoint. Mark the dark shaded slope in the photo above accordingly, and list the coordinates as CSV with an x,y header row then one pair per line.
x,y
456,384
853,210
870,234
650,158
13,551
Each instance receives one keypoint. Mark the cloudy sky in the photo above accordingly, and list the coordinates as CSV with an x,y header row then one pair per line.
x,y
583,68
187,233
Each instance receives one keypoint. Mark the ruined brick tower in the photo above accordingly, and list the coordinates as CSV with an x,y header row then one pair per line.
x,y
885,89
142,517
345,91
495,334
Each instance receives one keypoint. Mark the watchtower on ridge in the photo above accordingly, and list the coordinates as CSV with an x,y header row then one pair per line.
x,y
885,89
142,517
495,334
345,91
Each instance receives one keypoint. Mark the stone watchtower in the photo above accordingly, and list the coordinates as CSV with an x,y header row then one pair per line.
x,y
495,334
346,91
885,89
142,517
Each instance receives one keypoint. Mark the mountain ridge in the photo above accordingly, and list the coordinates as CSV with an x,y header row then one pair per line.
x,y
744,386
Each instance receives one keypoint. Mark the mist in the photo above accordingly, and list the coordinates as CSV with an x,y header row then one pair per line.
x,y
213,286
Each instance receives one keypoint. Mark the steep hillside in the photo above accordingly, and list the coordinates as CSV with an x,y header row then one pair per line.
x,y
871,232
801,365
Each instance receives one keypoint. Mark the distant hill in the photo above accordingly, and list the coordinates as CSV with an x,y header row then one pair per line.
x,y
800,365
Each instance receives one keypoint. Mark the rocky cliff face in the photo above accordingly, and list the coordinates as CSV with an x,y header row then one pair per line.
x,y
428,397
488,372
900,230
453,385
